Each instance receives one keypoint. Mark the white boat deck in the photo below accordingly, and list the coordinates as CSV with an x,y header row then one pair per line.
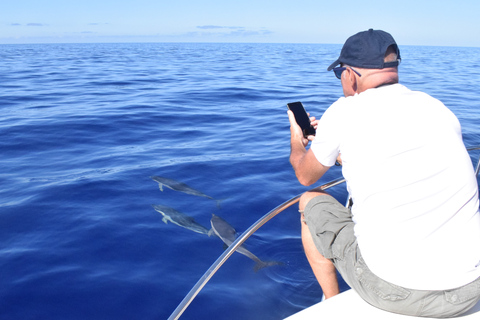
x,y
348,305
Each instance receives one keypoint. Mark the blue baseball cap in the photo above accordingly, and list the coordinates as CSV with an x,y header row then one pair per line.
x,y
367,50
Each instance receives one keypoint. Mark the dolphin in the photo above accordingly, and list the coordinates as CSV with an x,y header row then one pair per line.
x,y
228,235
180,186
180,219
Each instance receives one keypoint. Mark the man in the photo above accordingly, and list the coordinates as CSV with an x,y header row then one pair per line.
x,y
411,242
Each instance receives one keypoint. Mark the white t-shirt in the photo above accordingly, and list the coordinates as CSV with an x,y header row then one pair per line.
x,y
415,195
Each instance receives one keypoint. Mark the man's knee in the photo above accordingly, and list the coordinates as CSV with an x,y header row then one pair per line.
x,y
307,196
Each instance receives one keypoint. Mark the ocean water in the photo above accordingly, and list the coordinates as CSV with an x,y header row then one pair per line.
x,y
83,127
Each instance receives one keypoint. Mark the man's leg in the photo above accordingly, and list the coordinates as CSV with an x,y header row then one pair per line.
x,y
323,268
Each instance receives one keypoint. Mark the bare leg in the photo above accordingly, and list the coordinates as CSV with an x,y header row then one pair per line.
x,y
323,269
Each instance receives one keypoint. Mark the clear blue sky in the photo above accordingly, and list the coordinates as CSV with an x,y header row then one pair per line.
x,y
411,22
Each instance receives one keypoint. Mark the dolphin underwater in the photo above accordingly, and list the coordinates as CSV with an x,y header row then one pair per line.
x,y
180,186
180,219
228,235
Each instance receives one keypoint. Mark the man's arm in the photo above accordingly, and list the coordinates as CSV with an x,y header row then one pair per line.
x,y
306,166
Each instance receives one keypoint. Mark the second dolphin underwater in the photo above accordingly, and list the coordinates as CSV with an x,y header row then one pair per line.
x,y
180,219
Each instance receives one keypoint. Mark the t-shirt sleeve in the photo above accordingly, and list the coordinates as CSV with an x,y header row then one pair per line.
x,y
326,145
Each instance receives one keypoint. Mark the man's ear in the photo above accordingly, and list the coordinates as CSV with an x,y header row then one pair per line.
x,y
351,80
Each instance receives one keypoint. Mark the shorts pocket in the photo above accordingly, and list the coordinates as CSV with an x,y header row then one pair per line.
x,y
383,289
465,293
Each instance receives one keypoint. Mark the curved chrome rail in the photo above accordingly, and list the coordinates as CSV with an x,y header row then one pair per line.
x,y
244,236
477,169
238,242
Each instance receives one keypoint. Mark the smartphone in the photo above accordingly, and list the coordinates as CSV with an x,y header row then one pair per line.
x,y
302,118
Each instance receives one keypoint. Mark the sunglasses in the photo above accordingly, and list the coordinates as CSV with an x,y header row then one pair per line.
x,y
339,70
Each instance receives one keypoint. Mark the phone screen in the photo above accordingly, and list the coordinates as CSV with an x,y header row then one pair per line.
x,y
302,118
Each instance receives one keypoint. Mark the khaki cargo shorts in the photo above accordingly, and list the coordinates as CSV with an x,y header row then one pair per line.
x,y
331,226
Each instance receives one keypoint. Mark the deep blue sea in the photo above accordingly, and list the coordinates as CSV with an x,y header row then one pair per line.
x,y
83,127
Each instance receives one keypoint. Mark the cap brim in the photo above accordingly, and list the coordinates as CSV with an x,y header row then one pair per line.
x,y
333,65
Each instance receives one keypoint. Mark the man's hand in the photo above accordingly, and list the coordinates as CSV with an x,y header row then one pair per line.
x,y
297,133
306,166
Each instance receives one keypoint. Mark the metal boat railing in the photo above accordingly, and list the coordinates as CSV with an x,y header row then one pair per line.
x,y
477,169
238,242
244,236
